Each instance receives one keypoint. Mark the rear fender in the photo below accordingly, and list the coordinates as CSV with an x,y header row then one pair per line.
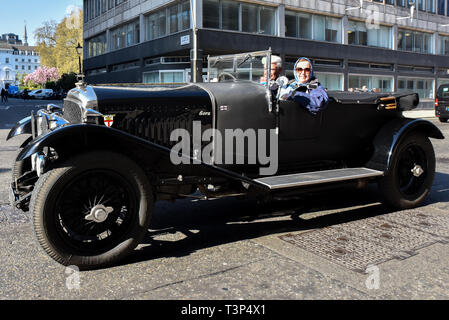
x,y
72,140
389,137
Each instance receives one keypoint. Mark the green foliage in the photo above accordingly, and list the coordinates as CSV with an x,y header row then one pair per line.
x,y
67,81
56,43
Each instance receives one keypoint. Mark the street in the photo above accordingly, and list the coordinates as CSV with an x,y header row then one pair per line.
x,y
343,244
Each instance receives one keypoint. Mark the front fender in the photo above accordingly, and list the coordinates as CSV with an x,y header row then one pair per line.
x,y
71,140
22,127
390,136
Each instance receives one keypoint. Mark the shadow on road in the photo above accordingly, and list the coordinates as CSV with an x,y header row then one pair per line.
x,y
207,224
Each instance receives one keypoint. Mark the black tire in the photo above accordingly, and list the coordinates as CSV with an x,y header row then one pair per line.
x,y
18,168
399,187
443,120
63,197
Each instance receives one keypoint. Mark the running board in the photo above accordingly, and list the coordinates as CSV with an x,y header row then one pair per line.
x,y
319,177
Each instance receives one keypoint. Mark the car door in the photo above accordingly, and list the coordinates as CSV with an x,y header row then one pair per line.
x,y
299,132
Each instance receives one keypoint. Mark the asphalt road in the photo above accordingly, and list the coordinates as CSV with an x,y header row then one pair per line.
x,y
337,245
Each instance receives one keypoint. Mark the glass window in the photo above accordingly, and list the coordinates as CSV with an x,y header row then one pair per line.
x,y
319,27
124,36
422,5
173,19
373,83
291,24
161,24
211,14
155,25
424,87
185,15
441,7
414,41
326,28
357,33
330,81
380,37
305,30
400,3
172,76
151,77
267,21
249,18
431,6
230,15
444,45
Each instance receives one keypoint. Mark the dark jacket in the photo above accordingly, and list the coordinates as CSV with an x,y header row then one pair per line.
x,y
311,95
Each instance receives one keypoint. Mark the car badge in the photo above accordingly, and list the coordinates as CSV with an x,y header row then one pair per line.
x,y
109,120
223,108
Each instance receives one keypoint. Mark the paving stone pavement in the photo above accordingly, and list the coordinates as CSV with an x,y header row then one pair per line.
x,y
313,248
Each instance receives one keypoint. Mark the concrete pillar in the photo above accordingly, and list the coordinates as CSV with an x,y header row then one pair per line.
x,y
344,29
435,43
345,75
394,37
395,77
280,18
142,28
108,40
199,14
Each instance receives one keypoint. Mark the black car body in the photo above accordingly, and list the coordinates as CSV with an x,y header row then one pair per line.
x,y
91,171
442,103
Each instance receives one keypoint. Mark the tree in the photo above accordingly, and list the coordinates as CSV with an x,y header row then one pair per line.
x,y
42,75
46,42
56,42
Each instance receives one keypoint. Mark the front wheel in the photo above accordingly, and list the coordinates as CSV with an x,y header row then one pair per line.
x,y
410,177
92,211
443,120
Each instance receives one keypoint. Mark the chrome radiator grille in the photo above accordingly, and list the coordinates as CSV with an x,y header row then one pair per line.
x,y
72,112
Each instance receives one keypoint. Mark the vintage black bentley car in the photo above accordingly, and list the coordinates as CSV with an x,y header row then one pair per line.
x,y
91,171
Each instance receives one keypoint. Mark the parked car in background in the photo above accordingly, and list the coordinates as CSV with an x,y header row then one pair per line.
x,y
442,103
41,94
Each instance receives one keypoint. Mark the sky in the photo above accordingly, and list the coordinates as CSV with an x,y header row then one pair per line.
x,y
34,12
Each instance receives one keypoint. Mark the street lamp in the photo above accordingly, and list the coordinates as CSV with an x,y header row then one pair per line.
x,y
79,50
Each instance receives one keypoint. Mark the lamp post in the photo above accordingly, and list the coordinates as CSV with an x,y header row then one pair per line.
x,y
79,51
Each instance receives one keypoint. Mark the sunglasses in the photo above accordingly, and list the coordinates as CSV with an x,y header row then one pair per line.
x,y
301,69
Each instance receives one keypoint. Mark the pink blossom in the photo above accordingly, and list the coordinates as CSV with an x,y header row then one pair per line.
x,y
42,75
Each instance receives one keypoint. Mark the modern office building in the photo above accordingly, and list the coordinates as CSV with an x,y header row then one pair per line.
x,y
16,58
382,44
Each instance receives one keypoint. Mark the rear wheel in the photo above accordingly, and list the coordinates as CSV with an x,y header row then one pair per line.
x,y
410,177
443,119
92,211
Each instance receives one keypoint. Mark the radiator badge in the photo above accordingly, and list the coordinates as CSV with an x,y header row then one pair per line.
x,y
109,120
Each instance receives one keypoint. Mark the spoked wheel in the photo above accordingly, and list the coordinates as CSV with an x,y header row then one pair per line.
x,y
410,177
93,211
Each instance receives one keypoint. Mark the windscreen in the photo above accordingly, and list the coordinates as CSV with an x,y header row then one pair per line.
x,y
249,66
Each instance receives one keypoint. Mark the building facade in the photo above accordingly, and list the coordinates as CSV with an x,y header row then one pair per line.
x,y
16,58
385,45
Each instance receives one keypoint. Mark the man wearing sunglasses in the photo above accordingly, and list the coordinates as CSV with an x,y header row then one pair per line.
x,y
306,90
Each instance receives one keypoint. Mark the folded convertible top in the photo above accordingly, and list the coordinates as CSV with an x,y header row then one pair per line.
x,y
401,101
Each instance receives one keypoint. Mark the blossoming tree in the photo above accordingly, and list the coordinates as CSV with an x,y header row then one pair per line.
x,y
41,76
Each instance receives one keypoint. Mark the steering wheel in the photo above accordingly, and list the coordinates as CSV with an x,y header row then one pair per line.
x,y
224,74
